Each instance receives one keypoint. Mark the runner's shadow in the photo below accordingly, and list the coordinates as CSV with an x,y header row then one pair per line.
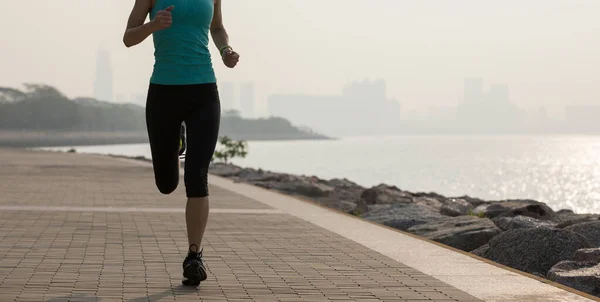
x,y
180,290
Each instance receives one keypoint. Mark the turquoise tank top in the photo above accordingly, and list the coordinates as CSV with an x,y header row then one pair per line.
x,y
181,55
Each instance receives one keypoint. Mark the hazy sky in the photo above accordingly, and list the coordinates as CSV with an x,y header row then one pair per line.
x,y
547,51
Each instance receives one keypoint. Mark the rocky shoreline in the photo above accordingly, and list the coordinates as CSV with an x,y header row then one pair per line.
x,y
526,235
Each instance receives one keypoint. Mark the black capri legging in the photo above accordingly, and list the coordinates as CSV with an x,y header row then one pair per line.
x,y
167,106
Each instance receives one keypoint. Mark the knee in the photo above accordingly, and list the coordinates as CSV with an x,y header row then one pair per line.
x,y
166,187
197,184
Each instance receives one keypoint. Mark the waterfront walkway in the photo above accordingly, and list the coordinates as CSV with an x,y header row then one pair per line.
x,y
92,228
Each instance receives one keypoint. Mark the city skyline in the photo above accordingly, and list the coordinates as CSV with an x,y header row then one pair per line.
x,y
422,49
240,96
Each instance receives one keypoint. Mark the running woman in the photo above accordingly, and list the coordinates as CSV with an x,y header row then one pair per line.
x,y
183,89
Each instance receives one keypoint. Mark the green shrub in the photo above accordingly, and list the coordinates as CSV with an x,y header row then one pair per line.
x,y
230,149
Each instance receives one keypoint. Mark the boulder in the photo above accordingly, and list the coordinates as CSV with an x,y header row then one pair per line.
x,y
293,185
581,273
224,170
428,201
538,211
361,207
473,201
346,192
491,210
480,251
534,250
587,255
247,174
456,207
346,185
565,212
401,216
566,220
384,194
589,230
521,222
431,195
464,232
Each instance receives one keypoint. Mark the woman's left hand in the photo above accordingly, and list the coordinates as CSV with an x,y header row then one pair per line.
x,y
230,57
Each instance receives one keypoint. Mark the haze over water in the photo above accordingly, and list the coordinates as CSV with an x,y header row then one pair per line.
x,y
563,171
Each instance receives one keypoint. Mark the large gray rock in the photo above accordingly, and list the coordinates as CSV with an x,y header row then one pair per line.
x,y
473,201
534,250
344,197
465,232
587,255
480,251
428,201
431,195
295,185
384,194
401,216
589,230
538,211
346,185
224,170
521,222
565,212
581,273
565,220
491,210
454,207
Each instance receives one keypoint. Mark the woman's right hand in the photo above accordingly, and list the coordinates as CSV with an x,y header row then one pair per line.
x,y
163,19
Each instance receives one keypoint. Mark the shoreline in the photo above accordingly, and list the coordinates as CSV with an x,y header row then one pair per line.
x,y
50,139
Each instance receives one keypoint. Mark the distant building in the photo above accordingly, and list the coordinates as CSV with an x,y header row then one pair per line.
x,y
103,84
361,109
227,95
473,88
498,94
489,110
247,104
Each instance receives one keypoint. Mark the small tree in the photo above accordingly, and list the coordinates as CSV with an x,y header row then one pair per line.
x,y
231,149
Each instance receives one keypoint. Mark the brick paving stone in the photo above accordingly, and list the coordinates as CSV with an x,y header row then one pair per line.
x,y
85,253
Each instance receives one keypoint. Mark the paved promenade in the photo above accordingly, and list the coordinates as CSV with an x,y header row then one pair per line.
x,y
91,228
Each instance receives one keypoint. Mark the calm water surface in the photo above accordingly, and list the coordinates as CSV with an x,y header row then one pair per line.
x,y
563,171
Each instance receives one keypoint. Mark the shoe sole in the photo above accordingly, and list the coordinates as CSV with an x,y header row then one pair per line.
x,y
194,273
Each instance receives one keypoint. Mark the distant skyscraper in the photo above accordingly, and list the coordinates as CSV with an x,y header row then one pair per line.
x,y
247,99
361,109
498,94
371,90
227,95
103,85
473,90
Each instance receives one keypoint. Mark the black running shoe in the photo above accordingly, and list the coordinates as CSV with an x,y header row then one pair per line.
x,y
194,270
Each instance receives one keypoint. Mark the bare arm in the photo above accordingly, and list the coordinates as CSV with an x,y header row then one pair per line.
x,y
137,31
217,30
